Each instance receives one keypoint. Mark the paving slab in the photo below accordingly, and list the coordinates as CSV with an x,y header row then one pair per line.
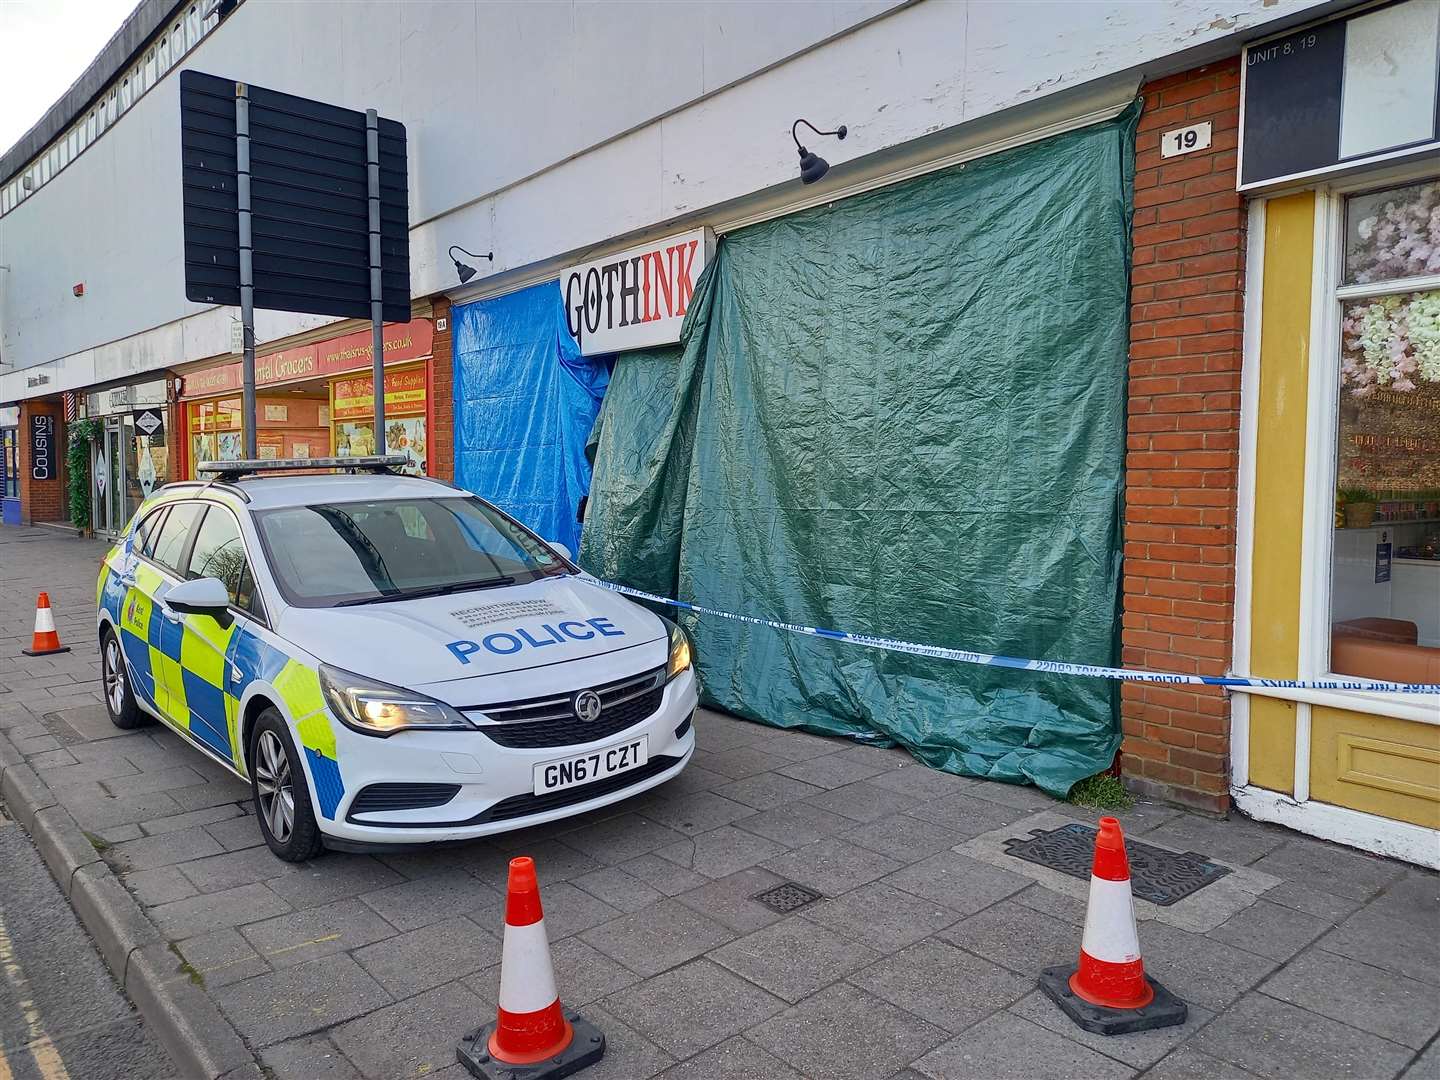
x,y
1399,1009
411,1038
1017,937
1272,1038
412,904
301,936
794,957
845,1033
295,1001
1270,930
832,866
692,1007
880,916
1384,942
1140,1049
765,791
312,1057
962,884
1009,1045
721,851
651,941
621,890
733,1059
795,824
947,986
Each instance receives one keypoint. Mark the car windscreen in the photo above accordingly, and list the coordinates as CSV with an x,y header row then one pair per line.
x,y
334,554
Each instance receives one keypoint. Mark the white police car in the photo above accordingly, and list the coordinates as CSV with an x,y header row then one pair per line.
x,y
387,659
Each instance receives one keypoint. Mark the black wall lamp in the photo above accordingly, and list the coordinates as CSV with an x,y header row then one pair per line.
x,y
812,166
464,270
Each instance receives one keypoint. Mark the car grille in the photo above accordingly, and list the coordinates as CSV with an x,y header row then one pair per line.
x,y
518,806
551,721
380,798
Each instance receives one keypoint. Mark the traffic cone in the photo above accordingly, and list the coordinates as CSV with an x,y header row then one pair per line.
x,y
533,1037
1108,992
45,640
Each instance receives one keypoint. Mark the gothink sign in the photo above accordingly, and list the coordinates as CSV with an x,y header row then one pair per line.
x,y
637,298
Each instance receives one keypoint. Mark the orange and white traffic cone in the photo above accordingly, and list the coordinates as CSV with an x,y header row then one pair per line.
x,y
45,640
1108,992
533,1037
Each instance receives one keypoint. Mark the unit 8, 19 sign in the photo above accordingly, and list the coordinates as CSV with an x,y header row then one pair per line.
x,y
42,446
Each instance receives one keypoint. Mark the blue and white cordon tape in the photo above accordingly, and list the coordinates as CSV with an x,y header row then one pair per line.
x,y
1059,667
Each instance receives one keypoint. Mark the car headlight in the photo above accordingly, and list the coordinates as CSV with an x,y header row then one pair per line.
x,y
372,707
679,652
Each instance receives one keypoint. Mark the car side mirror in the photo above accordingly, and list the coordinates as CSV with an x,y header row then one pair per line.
x,y
562,549
202,596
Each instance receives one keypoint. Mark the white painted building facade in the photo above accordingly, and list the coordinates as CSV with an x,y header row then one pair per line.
x,y
553,132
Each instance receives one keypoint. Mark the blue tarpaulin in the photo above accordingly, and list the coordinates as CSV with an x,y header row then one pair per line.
x,y
525,400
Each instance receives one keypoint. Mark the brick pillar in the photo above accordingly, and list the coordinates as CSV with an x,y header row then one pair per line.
x,y
42,500
442,438
1187,305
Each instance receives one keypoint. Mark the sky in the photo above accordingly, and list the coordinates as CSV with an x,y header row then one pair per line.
x,y
44,46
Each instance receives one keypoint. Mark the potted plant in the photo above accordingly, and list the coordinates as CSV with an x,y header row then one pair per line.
x,y
77,462
1359,507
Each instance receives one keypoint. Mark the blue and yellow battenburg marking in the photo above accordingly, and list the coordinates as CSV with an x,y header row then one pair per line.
x,y
196,679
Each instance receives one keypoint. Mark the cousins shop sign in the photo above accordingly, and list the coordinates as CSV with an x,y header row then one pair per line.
x,y
636,298
402,341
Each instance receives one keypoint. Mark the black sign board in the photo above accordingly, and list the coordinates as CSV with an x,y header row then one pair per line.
x,y
42,446
149,422
1358,89
309,210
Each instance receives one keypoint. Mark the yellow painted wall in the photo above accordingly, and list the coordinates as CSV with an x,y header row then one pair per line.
x,y
1376,764
1280,481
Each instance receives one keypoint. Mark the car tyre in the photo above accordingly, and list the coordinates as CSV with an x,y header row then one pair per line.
x,y
280,792
120,704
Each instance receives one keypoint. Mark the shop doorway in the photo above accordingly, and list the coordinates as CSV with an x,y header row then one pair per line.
x,y
108,468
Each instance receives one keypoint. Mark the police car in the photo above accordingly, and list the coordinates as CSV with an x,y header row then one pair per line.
x,y
386,659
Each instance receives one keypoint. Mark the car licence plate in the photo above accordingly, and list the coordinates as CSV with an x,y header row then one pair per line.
x,y
596,765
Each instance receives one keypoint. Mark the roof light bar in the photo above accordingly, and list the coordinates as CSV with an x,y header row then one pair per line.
x,y
248,466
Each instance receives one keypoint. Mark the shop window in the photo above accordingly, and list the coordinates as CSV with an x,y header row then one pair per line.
x,y
1385,569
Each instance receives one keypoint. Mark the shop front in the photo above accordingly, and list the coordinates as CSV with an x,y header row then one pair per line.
x,y
317,399
9,465
1342,458
129,452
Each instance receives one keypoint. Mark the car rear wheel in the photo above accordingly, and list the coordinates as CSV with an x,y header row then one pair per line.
x,y
282,797
120,701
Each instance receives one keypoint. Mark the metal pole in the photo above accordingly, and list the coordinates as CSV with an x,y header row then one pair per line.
x,y
377,335
247,270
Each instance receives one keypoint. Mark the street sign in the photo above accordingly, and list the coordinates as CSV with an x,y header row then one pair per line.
x,y
309,202
149,422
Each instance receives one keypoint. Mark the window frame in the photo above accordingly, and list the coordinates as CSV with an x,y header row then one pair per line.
x,y
211,506
1322,427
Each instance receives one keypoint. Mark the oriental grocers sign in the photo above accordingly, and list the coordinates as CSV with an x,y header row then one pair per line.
x,y
635,299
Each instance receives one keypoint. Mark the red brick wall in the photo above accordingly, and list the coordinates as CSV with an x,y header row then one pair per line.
x,y
1184,422
42,500
442,438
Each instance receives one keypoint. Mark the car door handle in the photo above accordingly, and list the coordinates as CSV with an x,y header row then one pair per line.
x,y
127,581
170,613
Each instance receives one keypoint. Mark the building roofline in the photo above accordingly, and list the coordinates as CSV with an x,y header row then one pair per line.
x,y
135,33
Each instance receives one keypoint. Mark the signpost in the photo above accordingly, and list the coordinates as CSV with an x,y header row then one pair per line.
x,y
292,205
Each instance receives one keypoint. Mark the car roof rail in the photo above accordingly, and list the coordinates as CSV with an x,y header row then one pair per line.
x,y
234,470
208,485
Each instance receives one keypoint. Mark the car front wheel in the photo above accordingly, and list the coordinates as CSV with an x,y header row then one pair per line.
x,y
115,678
282,797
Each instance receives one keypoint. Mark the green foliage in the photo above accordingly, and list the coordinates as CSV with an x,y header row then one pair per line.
x,y
1103,792
77,465
1355,495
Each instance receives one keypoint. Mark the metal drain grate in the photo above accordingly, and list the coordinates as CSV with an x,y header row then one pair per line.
x,y
787,897
1159,876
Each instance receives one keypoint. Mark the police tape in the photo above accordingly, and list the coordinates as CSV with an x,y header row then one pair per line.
x,y
1058,667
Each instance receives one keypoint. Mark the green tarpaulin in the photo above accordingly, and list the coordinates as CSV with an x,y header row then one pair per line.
x,y
902,414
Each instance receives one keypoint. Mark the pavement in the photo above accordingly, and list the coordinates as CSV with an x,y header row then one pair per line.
x,y
1306,960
